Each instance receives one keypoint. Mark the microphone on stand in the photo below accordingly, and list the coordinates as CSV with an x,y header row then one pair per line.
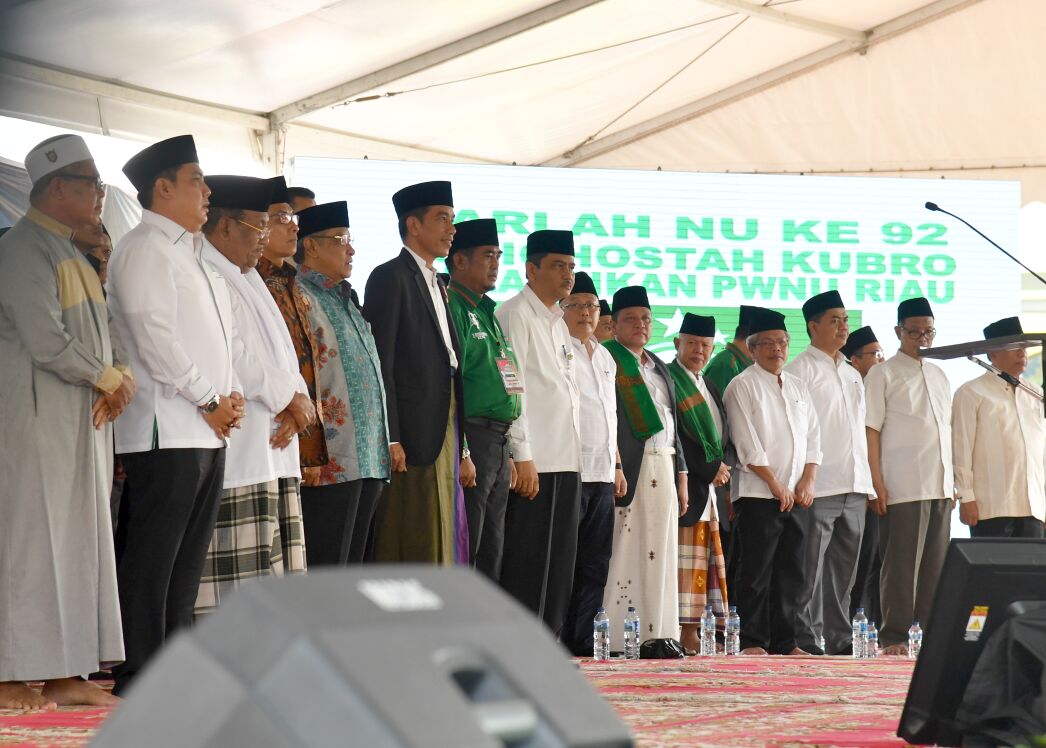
x,y
936,207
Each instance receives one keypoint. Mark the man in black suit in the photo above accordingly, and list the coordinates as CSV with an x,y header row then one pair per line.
x,y
421,516
643,568
704,433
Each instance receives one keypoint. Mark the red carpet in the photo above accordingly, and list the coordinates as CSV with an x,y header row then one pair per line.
x,y
735,701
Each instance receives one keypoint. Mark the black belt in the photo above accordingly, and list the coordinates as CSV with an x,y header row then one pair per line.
x,y
499,427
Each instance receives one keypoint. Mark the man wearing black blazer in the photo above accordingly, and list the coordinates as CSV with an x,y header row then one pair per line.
x,y
421,516
643,567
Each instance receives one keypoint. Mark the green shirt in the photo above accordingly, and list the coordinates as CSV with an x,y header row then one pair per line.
x,y
482,344
726,365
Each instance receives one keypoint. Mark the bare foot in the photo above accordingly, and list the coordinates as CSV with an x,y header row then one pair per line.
x,y
77,691
896,650
758,651
17,695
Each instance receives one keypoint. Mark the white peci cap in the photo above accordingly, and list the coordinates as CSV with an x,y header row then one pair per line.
x,y
54,154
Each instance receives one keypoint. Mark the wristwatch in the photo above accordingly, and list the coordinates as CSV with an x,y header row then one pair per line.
x,y
211,405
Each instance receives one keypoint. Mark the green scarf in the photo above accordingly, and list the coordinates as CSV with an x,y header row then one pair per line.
x,y
695,413
639,403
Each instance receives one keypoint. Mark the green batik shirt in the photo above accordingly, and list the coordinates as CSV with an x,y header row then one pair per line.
x,y
726,365
482,344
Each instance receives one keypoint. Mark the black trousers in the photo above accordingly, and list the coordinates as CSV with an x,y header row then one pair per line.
x,y
485,503
337,521
770,572
595,541
1007,527
167,516
537,565
865,592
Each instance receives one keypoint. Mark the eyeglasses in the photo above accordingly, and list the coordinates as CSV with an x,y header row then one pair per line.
x,y
581,307
284,218
917,334
96,181
342,239
778,343
262,232
879,355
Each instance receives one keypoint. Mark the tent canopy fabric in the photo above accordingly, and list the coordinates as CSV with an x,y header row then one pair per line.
x,y
787,86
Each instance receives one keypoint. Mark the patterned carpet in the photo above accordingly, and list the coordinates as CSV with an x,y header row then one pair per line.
x,y
736,701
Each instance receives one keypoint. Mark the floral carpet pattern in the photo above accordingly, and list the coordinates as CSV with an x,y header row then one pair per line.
x,y
783,702
757,701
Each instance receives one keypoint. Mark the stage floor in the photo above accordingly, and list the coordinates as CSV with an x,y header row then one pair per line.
x,y
735,701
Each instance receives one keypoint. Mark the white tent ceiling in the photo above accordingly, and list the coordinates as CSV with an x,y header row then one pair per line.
x,y
828,86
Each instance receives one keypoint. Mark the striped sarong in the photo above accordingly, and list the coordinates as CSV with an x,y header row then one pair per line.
x,y
702,571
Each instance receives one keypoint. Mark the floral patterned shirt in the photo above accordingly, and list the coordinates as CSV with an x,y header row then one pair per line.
x,y
354,417
282,283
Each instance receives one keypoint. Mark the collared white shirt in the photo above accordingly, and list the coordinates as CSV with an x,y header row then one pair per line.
x,y
549,425
909,402
438,302
663,401
267,368
772,424
999,448
595,381
717,418
837,394
174,316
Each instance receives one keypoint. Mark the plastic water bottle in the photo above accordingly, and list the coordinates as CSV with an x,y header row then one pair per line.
x,y
708,632
871,643
860,630
915,640
733,632
632,634
601,636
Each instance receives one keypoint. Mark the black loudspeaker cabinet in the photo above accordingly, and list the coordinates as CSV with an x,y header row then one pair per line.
x,y
376,657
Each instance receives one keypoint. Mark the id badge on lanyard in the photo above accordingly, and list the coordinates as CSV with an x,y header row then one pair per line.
x,y
509,376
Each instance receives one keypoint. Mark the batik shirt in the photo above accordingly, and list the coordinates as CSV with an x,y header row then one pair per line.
x,y
348,380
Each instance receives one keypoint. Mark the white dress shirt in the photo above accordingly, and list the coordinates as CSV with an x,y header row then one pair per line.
x,y
267,368
438,302
909,403
549,425
173,313
772,424
837,393
595,370
999,447
662,396
717,418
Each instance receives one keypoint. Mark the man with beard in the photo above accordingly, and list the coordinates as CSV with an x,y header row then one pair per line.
x,y
259,527
174,314
542,514
64,380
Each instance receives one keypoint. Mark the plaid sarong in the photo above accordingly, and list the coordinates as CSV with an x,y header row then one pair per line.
x,y
702,572
292,532
246,543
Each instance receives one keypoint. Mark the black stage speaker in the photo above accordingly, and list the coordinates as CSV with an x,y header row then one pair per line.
x,y
984,583
377,657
